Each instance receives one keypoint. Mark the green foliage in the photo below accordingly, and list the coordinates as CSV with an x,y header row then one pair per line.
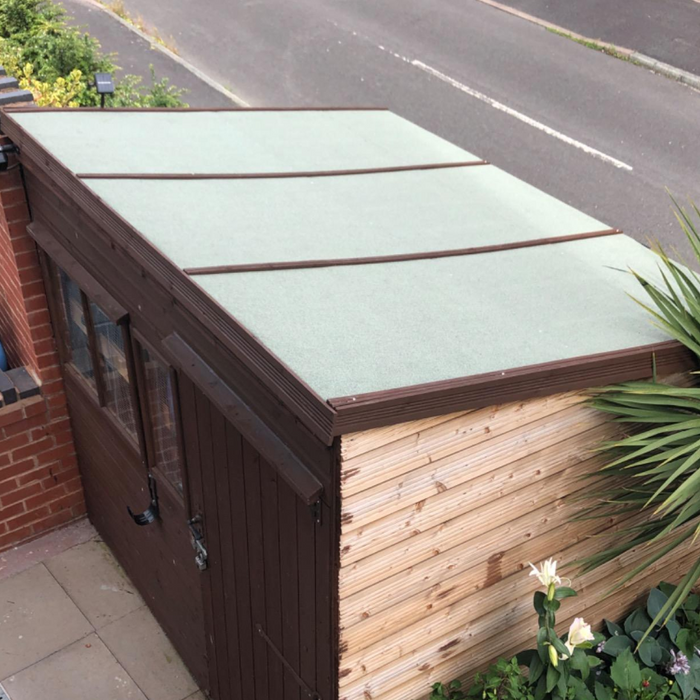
x,y
502,681
57,62
619,664
655,470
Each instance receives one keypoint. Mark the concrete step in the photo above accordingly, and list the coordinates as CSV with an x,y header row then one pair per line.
x,y
8,82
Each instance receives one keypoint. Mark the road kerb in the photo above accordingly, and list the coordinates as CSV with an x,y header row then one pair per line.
x,y
657,66
239,101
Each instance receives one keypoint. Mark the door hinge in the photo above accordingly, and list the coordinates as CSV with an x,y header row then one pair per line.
x,y
317,511
201,558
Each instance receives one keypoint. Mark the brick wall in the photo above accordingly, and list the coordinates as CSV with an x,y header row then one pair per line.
x,y
39,481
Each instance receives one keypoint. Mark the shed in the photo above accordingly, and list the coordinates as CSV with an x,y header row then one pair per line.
x,y
339,365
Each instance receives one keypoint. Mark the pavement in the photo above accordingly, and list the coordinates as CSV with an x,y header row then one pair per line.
x,y
667,31
599,133
73,627
135,55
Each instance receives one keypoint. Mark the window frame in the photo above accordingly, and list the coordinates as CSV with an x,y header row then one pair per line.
x,y
53,256
140,343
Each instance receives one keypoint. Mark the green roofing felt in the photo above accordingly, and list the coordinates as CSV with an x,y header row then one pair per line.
x,y
356,329
234,141
212,222
349,330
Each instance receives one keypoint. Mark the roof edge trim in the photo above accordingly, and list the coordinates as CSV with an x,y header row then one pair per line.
x,y
377,409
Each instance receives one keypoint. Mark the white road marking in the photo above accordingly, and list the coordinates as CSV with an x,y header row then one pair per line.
x,y
508,110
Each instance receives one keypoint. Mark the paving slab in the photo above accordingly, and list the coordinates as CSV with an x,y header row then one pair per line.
x,y
97,584
18,559
140,645
37,618
86,670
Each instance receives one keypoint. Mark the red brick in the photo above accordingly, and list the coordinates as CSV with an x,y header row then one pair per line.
x,y
79,509
56,453
13,538
11,414
26,260
13,443
8,486
74,485
15,470
68,501
36,474
38,318
42,498
16,212
25,425
33,448
44,346
34,406
13,195
20,494
28,518
30,275
52,521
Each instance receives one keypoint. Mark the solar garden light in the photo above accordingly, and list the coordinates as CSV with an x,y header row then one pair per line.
x,y
4,150
104,84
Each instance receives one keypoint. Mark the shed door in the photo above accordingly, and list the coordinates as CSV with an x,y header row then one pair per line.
x,y
267,600
122,400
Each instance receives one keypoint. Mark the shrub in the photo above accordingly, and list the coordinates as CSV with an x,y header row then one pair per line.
x,y
655,469
624,662
57,62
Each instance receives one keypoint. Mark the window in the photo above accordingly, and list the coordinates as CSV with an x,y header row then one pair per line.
x,y
130,382
110,347
76,327
160,409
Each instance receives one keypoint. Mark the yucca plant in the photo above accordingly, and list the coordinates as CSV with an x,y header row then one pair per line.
x,y
656,468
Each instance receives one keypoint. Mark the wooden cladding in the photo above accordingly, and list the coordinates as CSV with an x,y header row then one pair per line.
x,y
439,519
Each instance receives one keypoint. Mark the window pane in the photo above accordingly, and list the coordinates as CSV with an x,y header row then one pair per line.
x,y
77,328
110,347
159,391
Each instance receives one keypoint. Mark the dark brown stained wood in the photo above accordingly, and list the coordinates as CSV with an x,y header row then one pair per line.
x,y
232,406
256,564
240,583
398,405
269,509
10,109
306,557
274,176
120,236
210,448
231,651
188,408
112,478
289,544
53,295
403,257
97,293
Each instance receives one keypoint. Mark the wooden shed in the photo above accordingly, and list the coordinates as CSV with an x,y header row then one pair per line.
x,y
338,363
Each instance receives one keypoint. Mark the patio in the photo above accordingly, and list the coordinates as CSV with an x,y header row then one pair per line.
x,y
72,627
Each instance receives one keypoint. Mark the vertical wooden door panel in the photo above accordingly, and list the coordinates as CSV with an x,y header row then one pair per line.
x,y
269,584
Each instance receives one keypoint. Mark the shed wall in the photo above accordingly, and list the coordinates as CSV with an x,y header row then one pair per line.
x,y
440,518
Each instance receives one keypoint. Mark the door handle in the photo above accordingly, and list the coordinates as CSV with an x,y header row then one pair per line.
x,y
150,515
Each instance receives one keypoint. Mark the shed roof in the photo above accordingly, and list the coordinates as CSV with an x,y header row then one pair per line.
x,y
365,253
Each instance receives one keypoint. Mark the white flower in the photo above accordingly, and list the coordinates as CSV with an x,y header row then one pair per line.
x,y
547,573
579,633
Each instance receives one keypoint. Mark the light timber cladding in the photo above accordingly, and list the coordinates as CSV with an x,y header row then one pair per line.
x,y
440,518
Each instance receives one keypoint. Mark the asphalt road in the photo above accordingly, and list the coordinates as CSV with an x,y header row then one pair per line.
x,y
601,134
667,31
